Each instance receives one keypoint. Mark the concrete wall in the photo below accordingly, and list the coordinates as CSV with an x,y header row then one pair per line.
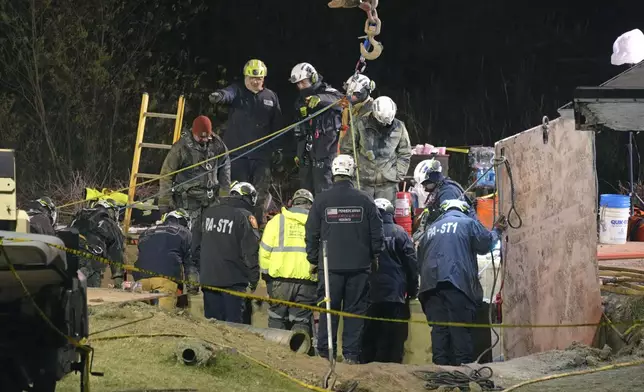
x,y
550,266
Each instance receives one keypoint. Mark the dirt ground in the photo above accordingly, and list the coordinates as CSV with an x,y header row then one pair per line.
x,y
150,362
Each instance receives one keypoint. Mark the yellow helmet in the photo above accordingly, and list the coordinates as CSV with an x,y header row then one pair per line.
x,y
255,68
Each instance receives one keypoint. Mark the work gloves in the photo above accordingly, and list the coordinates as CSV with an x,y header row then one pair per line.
x,y
374,264
313,269
501,224
216,97
192,284
313,101
252,287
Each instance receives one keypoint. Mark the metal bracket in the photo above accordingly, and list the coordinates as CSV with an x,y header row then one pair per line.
x,y
545,128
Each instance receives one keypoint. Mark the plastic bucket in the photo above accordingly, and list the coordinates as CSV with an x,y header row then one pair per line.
x,y
614,213
403,204
485,210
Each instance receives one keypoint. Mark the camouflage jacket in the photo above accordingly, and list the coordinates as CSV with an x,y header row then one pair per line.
x,y
187,152
362,109
384,153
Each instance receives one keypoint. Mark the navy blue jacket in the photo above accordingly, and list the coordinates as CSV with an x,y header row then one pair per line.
x,y
251,117
164,249
447,253
450,190
349,220
397,266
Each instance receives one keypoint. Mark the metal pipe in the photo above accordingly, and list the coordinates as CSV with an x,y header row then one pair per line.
x,y
297,340
189,356
329,325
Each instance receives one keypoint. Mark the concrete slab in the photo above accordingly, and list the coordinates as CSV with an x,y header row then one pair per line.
x,y
550,262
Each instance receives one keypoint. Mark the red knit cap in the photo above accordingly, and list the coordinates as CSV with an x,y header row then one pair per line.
x,y
202,127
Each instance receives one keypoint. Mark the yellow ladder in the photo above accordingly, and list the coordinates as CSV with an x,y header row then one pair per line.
x,y
140,145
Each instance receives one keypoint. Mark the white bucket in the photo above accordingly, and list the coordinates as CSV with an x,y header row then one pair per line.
x,y
613,225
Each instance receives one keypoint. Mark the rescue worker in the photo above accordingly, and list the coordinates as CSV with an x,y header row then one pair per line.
x,y
392,287
317,139
255,113
439,189
165,250
359,88
348,220
100,235
450,290
227,253
282,258
384,150
197,188
42,216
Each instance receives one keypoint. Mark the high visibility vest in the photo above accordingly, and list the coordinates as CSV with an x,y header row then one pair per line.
x,y
282,250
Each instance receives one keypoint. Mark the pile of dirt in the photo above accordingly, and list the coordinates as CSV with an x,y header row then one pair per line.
x,y
126,320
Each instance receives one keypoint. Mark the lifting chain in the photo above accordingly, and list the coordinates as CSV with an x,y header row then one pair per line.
x,y
370,48
372,28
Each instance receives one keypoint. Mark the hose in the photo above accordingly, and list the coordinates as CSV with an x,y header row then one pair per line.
x,y
458,379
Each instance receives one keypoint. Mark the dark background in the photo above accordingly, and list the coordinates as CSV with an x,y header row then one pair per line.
x,y
462,73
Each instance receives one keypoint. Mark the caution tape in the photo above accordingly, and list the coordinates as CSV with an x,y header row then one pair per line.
x,y
283,130
129,267
247,356
78,344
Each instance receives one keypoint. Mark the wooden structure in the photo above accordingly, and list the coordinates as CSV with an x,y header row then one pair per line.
x,y
550,262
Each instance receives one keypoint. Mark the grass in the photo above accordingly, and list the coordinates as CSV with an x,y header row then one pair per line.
x,y
140,363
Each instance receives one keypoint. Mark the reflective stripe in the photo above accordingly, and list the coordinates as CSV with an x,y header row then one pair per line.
x,y
266,247
280,247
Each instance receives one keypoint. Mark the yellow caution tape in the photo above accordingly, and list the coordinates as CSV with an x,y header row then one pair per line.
x,y
247,356
129,267
461,150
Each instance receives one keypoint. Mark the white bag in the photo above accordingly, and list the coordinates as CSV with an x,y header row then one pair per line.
x,y
628,48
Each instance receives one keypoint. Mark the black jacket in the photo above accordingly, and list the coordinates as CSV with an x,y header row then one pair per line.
x,y
322,132
251,117
397,266
39,220
164,249
350,222
99,229
227,250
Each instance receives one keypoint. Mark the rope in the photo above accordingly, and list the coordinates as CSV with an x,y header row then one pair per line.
x,y
578,373
283,130
458,379
353,140
247,356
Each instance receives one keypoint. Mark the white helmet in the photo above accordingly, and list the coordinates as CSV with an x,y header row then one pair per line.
x,y
343,165
244,189
303,71
357,83
428,165
384,110
384,204
455,204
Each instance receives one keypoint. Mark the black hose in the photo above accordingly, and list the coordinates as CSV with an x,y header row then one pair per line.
x,y
458,379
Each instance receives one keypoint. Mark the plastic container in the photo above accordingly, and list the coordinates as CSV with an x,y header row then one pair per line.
x,y
614,213
402,212
485,210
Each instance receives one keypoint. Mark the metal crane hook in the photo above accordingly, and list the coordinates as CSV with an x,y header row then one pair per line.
x,y
371,32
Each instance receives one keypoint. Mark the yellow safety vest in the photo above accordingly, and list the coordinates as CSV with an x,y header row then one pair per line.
x,y
282,251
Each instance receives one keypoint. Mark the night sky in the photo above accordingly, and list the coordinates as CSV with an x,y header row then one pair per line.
x,y
462,73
